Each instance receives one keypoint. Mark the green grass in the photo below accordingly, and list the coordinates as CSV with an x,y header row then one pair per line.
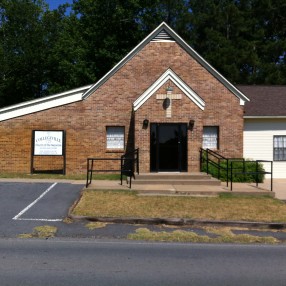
x,y
59,176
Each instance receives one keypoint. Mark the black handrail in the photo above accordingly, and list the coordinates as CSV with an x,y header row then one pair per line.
x,y
256,173
230,169
129,162
91,170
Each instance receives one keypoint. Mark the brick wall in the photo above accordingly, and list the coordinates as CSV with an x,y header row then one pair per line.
x,y
111,105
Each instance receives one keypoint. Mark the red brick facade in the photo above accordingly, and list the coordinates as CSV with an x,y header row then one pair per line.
x,y
111,104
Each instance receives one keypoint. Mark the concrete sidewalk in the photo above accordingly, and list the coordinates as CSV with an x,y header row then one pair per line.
x,y
279,188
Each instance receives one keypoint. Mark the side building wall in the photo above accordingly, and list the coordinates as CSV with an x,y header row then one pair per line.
x,y
258,142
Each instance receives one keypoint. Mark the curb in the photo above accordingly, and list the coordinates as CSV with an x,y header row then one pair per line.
x,y
180,222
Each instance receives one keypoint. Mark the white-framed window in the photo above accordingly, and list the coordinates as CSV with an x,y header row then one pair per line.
x,y
279,148
115,137
210,137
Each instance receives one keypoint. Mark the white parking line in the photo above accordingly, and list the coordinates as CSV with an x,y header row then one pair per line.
x,y
17,217
39,219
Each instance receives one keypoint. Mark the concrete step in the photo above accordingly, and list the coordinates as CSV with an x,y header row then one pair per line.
x,y
175,179
209,182
172,176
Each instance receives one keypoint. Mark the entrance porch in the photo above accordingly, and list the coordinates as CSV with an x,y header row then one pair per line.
x,y
188,184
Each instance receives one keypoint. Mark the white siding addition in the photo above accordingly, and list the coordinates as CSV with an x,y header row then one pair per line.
x,y
258,142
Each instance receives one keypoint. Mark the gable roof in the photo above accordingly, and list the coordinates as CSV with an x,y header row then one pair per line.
x,y
169,75
164,33
265,101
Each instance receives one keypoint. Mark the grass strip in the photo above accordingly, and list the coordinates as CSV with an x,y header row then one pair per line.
x,y
58,176
223,236
128,204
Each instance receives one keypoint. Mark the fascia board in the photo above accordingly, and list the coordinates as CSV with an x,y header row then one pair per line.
x,y
168,75
147,94
188,91
41,104
208,67
185,46
128,57
265,117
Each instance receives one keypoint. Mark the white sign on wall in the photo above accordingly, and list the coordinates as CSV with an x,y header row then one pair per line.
x,y
115,137
48,143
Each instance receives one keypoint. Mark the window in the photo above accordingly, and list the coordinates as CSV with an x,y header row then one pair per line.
x,y
115,137
279,148
210,137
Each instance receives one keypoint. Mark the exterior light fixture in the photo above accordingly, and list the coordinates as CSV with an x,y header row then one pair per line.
x,y
191,124
145,123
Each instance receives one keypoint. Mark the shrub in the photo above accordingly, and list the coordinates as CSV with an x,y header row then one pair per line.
x,y
242,171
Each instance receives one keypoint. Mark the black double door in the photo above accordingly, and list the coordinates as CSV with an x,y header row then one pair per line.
x,y
168,147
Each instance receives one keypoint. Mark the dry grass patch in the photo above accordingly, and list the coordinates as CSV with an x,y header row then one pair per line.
x,y
95,225
223,236
45,231
174,236
128,204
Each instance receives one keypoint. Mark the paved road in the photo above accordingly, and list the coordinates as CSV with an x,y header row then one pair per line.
x,y
86,262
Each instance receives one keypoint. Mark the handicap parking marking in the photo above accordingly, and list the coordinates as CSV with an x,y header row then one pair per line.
x,y
18,216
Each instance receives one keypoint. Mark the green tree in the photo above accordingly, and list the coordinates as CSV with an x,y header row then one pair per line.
x,y
44,52
67,67
26,30
108,31
175,13
244,40
21,72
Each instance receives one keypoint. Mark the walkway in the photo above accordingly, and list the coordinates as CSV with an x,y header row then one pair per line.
x,y
279,188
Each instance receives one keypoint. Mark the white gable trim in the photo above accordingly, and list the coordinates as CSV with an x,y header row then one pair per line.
x,y
185,46
264,117
169,75
41,104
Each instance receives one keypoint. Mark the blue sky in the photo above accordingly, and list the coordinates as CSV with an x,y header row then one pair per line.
x,y
55,3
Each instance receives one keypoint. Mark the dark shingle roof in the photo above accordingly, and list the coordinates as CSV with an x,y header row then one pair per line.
x,y
264,100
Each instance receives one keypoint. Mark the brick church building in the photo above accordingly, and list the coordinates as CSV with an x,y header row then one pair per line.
x,y
162,98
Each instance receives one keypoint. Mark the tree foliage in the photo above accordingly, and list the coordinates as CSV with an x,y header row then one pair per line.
x,y
44,52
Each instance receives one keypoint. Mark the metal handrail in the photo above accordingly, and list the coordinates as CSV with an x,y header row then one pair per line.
x,y
230,167
91,170
128,159
256,173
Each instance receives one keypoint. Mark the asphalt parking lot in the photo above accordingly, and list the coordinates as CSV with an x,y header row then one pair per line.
x,y
25,205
